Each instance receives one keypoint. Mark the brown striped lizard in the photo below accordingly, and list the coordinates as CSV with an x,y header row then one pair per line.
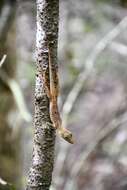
x,y
52,92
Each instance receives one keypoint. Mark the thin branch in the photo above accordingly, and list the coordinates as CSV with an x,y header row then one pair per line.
x,y
6,185
19,99
17,94
3,60
119,48
2,182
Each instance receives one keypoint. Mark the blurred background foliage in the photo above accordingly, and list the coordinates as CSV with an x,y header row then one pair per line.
x,y
92,57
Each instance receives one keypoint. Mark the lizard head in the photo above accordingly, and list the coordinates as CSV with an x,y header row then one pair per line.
x,y
66,135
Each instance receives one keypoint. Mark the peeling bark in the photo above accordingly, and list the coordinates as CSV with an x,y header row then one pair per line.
x,y
40,174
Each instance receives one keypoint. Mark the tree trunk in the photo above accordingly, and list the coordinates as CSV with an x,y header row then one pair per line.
x,y
40,174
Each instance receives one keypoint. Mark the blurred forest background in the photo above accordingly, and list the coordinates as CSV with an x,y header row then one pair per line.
x,y
93,77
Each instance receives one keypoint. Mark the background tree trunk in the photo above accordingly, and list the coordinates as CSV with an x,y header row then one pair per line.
x,y
40,174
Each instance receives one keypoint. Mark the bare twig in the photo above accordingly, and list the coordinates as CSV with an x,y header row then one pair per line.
x,y
17,94
19,99
3,182
3,60
6,185
119,48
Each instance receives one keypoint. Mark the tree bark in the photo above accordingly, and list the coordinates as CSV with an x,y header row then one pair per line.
x,y
40,174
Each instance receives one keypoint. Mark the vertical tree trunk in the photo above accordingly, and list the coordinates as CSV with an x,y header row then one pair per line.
x,y
40,174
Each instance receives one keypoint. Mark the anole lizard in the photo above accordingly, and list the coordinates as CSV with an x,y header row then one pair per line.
x,y
52,92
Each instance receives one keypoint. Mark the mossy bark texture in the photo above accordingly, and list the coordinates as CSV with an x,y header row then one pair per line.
x,y
40,174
